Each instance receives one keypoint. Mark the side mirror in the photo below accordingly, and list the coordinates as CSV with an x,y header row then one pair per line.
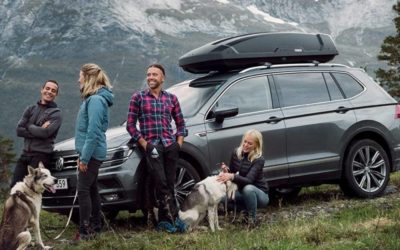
x,y
221,113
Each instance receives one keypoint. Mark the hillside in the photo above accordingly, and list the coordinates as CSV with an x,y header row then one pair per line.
x,y
51,39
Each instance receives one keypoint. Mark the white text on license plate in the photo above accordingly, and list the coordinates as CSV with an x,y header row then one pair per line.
x,y
62,184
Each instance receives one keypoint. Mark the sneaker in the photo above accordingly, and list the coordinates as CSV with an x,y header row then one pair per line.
x,y
79,238
180,225
166,226
253,223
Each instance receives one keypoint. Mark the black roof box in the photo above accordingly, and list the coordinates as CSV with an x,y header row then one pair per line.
x,y
255,49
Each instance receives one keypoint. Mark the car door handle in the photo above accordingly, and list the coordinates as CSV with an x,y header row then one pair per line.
x,y
274,119
341,110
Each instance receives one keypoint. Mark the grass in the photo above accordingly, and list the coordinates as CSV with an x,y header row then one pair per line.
x,y
321,218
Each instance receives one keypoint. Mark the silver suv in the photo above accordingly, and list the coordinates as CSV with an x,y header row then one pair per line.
x,y
321,123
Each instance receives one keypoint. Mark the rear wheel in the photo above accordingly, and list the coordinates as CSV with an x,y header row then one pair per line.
x,y
366,169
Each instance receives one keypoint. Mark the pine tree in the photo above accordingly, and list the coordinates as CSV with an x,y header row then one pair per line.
x,y
6,158
390,52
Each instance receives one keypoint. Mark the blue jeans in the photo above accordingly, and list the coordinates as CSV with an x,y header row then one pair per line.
x,y
252,198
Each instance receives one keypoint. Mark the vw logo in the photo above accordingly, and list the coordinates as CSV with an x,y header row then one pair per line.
x,y
59,163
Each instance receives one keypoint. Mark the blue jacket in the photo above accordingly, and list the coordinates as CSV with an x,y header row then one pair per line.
x,y
91,126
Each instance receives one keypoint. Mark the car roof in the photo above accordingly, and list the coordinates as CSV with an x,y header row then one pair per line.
x,y
220,77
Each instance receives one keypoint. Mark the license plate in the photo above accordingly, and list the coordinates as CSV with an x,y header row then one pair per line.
x,y
62,184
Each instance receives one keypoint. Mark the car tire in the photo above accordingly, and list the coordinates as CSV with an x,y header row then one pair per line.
x,y
186,178
366,170
111,215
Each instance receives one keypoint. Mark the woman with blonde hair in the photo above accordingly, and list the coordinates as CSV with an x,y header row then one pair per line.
x,y
246,170
90,143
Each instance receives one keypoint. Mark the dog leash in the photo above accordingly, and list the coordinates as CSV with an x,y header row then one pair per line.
x,y
226,208
66,225
69,217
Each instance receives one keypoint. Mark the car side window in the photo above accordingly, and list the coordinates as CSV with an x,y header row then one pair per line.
x,y
348,84
301,88
334,91
249,95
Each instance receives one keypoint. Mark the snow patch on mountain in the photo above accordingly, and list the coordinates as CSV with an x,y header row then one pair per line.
x,y
223,1
267,17
361,14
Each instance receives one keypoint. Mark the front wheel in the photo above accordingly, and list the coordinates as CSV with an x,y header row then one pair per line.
x,y
366,169
186,177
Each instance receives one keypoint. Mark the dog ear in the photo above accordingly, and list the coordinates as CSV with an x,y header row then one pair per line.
x,y
31,170
40,164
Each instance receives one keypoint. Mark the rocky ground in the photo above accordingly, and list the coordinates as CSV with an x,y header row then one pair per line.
x,y
325,204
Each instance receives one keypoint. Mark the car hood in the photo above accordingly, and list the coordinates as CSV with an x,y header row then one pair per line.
x,y
116,137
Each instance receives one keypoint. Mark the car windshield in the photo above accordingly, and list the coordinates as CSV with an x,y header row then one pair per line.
x,y
192,98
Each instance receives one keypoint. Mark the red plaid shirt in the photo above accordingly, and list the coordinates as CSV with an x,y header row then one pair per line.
x,y
155,116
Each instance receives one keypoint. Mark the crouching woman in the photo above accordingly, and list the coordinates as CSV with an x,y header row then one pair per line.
x,y
246,170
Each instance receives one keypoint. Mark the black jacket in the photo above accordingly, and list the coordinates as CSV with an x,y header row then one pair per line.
x,y
249,172
38,139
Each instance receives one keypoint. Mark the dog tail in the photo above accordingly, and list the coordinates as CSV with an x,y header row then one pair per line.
x,y
26,200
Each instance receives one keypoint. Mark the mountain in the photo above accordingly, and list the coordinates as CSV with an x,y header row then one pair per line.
x,y
51,39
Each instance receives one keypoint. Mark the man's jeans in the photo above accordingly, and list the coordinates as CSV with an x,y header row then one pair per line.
x,y
21,168
252,198
89,198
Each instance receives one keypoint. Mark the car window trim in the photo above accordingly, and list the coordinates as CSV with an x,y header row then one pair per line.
x,y
317,71
230,86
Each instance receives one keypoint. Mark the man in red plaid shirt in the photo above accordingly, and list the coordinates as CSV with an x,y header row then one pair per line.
x,y
155,108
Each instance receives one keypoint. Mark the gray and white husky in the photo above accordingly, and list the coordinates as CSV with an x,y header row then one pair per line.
x,y
22,209
204,199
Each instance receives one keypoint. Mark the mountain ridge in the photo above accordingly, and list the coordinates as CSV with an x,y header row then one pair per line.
x,y
51,39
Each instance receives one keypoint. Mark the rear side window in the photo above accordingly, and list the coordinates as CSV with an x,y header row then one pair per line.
x,y
334,91
249,95
348,84
301,88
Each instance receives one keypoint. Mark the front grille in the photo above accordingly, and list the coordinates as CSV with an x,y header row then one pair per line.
x,y
64,162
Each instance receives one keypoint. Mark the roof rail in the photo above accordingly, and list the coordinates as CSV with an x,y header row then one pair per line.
x,y
265,66
314,64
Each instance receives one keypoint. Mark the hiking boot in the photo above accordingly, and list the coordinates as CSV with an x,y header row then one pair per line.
x,y
81,237
253,223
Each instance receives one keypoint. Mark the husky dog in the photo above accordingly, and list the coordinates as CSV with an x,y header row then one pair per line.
x,y
22,209
204,198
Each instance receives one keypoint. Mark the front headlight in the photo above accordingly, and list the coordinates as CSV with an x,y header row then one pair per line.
x,y
116,156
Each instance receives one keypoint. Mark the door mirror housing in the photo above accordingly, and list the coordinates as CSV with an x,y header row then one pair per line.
x,y
221,113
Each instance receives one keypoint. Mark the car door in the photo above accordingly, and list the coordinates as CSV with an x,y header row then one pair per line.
x,y
252,97
316,117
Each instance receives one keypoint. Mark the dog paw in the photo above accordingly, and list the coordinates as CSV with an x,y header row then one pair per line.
x,y
47,247
203,228
220,228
